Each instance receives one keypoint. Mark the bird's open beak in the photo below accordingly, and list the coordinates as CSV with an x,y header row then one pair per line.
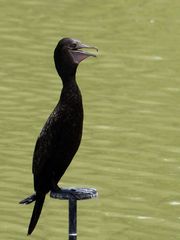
x,y
79,54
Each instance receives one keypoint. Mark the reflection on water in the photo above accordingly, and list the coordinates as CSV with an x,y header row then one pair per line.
x,y
130,149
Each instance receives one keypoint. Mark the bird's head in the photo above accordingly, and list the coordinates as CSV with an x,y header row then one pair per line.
x,y
69,53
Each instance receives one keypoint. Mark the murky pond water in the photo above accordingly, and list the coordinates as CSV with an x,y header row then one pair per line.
x,y
131,144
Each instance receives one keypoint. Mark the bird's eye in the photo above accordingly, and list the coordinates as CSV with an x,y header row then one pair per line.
x,y
74,45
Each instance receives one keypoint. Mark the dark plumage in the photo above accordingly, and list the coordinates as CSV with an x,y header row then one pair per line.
x,y
61,135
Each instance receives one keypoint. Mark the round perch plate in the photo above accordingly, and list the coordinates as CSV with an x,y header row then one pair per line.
x,y
74,193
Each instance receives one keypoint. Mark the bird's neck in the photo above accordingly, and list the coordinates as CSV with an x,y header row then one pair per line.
x,y
68,80
70,94
67,75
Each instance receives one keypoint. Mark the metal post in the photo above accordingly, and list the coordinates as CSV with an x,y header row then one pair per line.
x,y
72,219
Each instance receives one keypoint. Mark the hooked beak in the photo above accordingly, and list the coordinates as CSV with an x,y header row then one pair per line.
x,y
79,54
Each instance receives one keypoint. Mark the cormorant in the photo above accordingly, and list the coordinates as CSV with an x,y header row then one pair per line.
x,y
61,135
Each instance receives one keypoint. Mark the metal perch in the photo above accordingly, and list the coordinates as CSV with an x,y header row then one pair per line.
x,y
74,194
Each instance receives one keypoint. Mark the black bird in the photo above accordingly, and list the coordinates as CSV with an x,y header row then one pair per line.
x,y
61,135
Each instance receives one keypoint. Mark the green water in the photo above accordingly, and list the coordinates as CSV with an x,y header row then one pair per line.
x,y
131,144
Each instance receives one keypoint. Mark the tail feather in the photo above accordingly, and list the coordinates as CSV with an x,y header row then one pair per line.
x,y
36,212
28,200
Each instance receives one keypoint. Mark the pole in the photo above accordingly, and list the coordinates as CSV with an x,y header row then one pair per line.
x,y
72,219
